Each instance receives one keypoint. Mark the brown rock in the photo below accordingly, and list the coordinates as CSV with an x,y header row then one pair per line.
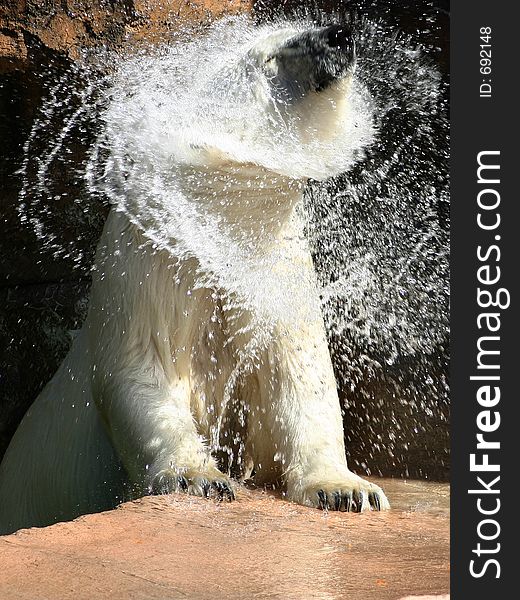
x,y
154,18
67,27
13,51
443,597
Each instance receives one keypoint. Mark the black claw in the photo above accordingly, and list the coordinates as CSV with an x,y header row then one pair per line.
x,y
217,486
356,502
223,490
322,497
182,483
164,484
374,500
337,501
230,493
206,488
347,502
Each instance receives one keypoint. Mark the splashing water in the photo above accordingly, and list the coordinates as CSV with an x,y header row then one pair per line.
x,y
197,146
379,244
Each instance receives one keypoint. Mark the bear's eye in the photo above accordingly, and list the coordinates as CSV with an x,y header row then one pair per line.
x,y
269,60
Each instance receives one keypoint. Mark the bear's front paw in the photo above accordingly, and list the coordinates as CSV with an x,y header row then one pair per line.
x,y
209,484
349,494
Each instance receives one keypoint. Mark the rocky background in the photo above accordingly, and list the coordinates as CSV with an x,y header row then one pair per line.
x,y
44,295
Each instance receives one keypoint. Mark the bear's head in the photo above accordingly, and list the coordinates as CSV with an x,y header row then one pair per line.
x,y
203,125
283,97
303,78
210,143
299,65
287,100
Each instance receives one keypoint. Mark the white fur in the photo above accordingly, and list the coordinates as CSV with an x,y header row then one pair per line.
x,y
152,381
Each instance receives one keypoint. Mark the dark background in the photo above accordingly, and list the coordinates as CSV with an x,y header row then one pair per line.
x,y
44,286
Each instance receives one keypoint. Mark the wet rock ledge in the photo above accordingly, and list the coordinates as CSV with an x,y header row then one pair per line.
x,y
259,546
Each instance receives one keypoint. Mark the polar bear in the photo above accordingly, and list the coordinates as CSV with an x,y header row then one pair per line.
x,y
178,380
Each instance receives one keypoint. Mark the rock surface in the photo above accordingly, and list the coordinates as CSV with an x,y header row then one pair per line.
x,y
443,597
70,26
163,548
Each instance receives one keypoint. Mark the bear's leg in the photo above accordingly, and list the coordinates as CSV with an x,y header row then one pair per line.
x,y
300,421
150,424
136,319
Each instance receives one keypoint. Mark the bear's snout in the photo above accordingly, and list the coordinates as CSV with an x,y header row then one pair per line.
x,y
339,37
340,57
314,59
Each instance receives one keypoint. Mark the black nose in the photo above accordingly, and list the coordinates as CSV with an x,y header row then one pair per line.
x,y
339,37
317,57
